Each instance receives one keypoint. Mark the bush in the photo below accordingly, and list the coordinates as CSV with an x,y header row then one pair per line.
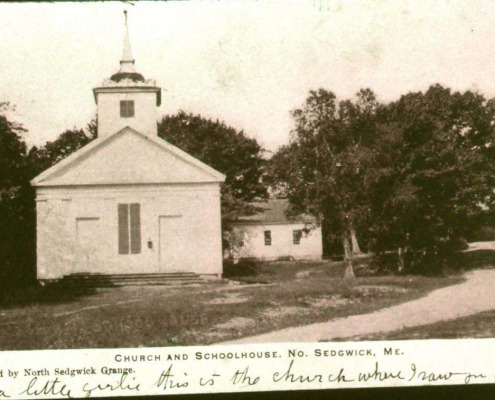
x,y
383,263
432,260
242,268
285,258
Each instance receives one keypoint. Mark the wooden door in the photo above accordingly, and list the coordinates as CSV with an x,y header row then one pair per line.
x,y
173,246
87,252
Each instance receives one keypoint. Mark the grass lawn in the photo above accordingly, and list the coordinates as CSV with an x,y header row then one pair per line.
x,y
272,296
480,325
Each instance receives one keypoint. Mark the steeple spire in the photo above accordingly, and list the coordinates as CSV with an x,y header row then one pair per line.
x,y
127,62
127,71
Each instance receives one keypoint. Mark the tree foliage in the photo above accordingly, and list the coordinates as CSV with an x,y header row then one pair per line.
x,y
17,205
442,170
16,202
325,168
54,151
415,175
225,149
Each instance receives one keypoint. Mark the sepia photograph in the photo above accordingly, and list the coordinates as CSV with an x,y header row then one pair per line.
x,y
197,173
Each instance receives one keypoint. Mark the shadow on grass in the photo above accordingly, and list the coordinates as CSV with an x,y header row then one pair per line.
x,y
254,271
28,295
457,262
243,268
475,259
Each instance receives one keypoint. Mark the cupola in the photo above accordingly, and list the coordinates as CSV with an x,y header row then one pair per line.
x,y
127,98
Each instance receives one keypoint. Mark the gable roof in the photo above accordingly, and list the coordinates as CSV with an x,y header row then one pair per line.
x,y
127,157
273,211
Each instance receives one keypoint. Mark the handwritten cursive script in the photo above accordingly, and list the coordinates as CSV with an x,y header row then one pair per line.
x,y
427,376
53,387
176,378
165,380
122,384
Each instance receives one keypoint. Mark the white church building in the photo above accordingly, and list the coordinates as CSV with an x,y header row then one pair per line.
x,y
128,202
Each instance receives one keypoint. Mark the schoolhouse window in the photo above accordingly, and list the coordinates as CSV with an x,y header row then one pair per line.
x,y
268,238
127,108
296,236
129,228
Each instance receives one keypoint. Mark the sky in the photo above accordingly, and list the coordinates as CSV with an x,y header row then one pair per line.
x,y
246,62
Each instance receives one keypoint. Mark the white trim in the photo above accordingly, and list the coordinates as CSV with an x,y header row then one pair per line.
x,y
129,89
110,185
96,191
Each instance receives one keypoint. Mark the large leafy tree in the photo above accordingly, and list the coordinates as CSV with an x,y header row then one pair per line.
x,y
441,175
325,169
16,203
225,149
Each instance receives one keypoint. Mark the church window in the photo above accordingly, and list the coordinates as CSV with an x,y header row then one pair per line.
x,y
296,236
268,238
127,108
129,228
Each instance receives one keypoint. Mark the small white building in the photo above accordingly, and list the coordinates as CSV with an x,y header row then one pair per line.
x,y
271,235
128,202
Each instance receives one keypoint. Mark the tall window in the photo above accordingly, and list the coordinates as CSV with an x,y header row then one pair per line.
x,y
268,238
127,108
129,228
296,236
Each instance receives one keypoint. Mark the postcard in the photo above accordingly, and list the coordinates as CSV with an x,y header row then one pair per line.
x,y
236,196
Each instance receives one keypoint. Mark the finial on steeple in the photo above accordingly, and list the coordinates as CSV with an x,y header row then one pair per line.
x,y
127,62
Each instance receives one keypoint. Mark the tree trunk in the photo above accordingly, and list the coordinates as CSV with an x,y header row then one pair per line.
x,y
355,245
349,276
400,253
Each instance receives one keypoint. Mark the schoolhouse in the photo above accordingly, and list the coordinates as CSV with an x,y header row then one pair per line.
x,y
271,234
128,202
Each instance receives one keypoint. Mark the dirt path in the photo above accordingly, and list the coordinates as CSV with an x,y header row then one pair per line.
x,y
474,295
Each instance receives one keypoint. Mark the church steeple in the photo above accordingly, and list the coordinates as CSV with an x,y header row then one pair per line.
x,y
127,70
127,62
127,99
